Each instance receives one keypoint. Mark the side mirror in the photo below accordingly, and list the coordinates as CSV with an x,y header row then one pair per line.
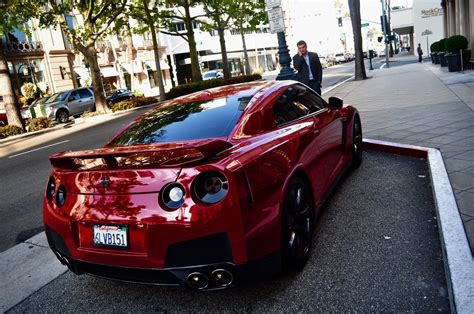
x,y
335,103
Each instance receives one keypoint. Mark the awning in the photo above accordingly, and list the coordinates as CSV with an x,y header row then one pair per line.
x,y
108,72
82,72
152,65
136,69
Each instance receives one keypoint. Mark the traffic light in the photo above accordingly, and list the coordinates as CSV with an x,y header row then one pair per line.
x,y
339,21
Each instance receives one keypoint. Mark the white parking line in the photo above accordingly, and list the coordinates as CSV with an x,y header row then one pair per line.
x,y
382,66
36,149
337,85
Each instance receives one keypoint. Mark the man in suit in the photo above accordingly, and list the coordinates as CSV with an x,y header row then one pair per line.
x,y
310,71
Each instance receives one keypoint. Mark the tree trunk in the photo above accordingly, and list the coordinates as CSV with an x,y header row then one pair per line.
x,y
8,94
225,62
354,8
156,50
195,68
130,60
91,56
244,45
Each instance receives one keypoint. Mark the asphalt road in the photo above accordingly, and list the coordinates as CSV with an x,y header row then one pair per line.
x,y
376,249
23,178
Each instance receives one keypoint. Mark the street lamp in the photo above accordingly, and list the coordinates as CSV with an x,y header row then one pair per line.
x,y
426,33
277,25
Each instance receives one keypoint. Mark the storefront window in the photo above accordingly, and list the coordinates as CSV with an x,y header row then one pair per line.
x,y
27,71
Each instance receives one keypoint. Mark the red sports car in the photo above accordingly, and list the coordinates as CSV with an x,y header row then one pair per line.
x,y
206,190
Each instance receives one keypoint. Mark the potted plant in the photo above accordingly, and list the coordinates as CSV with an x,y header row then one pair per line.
x,y
442,52
434,52
454,45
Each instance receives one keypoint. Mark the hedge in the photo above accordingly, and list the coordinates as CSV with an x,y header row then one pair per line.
x,y
10,130
37,124
198,86
132,103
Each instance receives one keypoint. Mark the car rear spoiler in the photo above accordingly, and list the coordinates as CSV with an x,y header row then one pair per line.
x,y
138,156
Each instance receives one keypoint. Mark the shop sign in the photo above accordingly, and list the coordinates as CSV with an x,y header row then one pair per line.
x,y
431,12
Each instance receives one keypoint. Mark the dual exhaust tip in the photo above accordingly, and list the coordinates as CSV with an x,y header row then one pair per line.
x,y
219,277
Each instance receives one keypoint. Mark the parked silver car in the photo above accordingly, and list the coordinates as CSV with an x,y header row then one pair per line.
x,y
68,103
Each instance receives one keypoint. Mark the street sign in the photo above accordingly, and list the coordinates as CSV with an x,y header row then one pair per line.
x,y
364,24
427,32
275,14
277,26
273,3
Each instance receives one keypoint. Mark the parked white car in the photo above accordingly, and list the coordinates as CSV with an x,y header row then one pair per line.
x,y
68,103
212,74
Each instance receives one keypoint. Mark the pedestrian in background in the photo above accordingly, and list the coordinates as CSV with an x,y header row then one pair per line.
x,y
310,71
420,53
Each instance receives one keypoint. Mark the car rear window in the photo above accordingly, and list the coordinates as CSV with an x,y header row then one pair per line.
x,y
188,121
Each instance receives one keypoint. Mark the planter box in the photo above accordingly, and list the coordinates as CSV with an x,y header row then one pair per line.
x,y
454,62
435,57
442,59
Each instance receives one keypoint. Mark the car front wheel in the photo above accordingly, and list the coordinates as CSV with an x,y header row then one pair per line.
x,y
62,116
297,225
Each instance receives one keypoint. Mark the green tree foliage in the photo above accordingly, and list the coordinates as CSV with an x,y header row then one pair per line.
x,y
180,11
100,18
14,15
146,13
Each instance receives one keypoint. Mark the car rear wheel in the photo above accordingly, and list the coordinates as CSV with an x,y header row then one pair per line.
x,y
62,116
356,142
297,225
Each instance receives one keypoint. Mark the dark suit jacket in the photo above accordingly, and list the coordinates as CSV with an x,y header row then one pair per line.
x,y
303,72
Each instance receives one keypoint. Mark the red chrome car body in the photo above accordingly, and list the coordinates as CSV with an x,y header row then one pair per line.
x,y
241,233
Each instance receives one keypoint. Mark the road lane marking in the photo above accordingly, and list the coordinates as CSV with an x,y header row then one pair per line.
x,y
337,85
382,66
36,149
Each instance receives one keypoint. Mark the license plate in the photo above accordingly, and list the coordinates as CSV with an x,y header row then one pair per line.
x,y
110,236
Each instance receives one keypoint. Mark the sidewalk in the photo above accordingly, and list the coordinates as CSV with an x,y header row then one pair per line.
x,y
424,105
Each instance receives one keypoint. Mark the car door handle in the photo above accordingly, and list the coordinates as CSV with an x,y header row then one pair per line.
x,y
316,132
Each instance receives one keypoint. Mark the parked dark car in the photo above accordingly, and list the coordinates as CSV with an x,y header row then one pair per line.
x,y
118,95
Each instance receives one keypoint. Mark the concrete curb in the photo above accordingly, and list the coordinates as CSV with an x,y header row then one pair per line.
x,y
458,259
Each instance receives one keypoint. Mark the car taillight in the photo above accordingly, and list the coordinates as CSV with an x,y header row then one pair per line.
x,y
172,196
50,188
210,187
61,196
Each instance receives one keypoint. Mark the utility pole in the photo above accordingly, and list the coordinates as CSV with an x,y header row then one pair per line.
x,y
385,25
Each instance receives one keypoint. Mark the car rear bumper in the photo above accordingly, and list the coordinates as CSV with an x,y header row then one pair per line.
x,y
262,268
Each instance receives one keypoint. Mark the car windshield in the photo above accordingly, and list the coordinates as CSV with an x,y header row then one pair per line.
x,y
57,97
210,74
189,121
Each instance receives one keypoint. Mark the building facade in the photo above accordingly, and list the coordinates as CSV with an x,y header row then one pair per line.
x,y
45,57
459,20
428,21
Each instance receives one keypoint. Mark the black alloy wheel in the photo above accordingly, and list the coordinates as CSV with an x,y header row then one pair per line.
x,y
356,142
62,116
297,225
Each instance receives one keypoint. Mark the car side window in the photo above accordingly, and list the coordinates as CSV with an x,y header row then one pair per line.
x,y
289,107
74,96
311,100
84,93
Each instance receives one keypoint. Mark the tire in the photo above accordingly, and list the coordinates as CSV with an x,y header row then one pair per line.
x,y
357,149
62,116
297,225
